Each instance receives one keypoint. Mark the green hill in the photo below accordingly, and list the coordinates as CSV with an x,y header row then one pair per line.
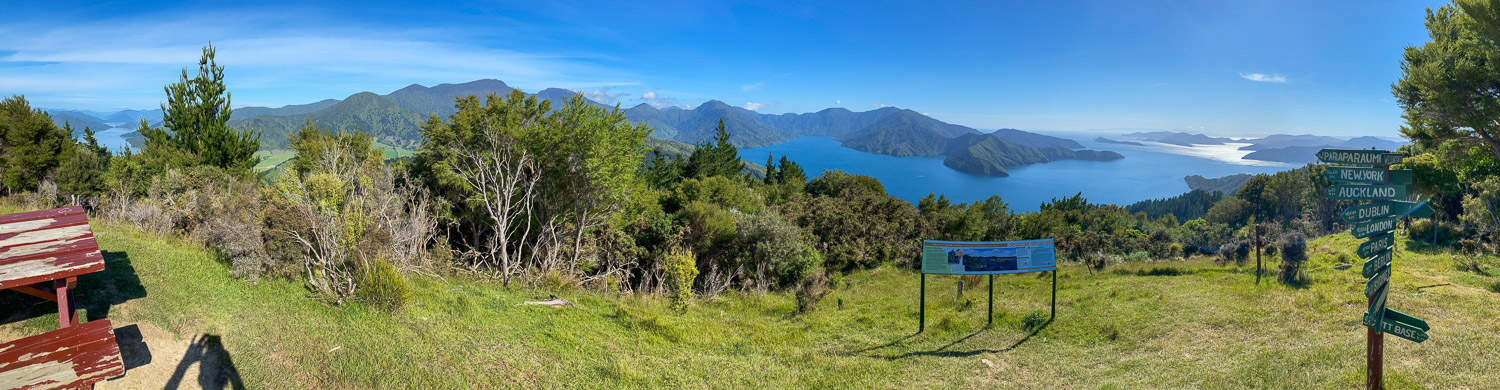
x,y
76,119
901,136
991,155
374,114
1162,323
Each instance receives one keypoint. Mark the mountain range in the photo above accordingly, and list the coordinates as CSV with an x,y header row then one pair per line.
x,y
395,119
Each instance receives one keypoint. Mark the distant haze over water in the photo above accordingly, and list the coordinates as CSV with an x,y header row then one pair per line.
x,y
1151,171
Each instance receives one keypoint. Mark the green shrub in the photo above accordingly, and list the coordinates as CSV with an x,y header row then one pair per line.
x,y
682,269
1034,320
1137,256
812,290
382,287
1438,233
1293,256
777,251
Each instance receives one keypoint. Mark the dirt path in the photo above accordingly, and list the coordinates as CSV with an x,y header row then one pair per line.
x,y
155,359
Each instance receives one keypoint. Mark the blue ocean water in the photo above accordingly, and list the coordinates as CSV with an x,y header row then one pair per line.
x,y
1147,172
113,138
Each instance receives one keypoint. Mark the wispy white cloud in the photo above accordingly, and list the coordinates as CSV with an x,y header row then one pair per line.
x,y
753,106
838,102
1264,78
649,95
125,62
753,86
604,95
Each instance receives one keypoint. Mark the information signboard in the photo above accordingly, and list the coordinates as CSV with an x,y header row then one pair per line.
x,y
988,257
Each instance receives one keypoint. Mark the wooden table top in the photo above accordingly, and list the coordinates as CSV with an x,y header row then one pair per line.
x,y
45,245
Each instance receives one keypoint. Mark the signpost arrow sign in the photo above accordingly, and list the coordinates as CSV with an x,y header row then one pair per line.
x,y
1358,157
1376,264
1381,209
1377,283
1374,316
1406,319
1375,246
1403,331
1370,228
1368,175
1366,191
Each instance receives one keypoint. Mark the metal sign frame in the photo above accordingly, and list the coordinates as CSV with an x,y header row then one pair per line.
x,y
1050,266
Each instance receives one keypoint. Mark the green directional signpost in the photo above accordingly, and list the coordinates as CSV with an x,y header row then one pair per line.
x,y
1365,175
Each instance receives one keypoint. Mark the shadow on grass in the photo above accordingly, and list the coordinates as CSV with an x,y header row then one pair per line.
x,y
1158,271
881,346
944,351
95,293
117,284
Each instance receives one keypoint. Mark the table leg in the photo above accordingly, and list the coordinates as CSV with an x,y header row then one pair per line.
x,y
65,314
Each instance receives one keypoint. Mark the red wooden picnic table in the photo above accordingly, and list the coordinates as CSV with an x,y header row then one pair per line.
x,y
43,252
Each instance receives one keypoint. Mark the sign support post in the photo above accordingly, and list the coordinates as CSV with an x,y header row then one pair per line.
x,y
1375,341
1054,296
991,320
922,306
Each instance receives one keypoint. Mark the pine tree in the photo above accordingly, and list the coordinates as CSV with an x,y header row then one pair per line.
x,y
196,118
770,170
790,172
717,159
31,145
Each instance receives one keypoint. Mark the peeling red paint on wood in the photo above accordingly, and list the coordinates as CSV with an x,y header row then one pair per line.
x,y
76,356
51,248
45,245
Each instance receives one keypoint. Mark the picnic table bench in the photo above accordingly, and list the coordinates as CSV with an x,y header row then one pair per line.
x,y
42,253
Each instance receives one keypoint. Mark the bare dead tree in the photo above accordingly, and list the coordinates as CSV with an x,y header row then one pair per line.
x,y
505,181
328,267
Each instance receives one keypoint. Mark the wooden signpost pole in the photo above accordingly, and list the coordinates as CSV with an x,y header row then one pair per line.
x,y
1368,178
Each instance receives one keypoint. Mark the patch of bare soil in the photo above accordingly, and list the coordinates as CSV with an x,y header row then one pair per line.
x,y
155,359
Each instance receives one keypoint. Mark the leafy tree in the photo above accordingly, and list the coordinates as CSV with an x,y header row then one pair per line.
x,y
719,158
1450,88
196,131
31,146
82,172
1230,211
855,223
1203,236
663,172
787,171
313,144
587,157
482,167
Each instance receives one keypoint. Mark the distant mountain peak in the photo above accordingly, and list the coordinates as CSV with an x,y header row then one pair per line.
x,y
414,87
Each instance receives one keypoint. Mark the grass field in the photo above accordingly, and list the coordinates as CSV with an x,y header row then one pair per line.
x,y
1177,324
271,158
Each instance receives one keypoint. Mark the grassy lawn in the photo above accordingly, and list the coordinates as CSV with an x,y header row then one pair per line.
x,y
1179,324
271,158
394,152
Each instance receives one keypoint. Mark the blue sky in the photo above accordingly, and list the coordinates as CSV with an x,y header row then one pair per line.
x,y
1226,68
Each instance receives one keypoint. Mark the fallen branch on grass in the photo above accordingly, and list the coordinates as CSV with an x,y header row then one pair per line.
x,y
552,301
1435,285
